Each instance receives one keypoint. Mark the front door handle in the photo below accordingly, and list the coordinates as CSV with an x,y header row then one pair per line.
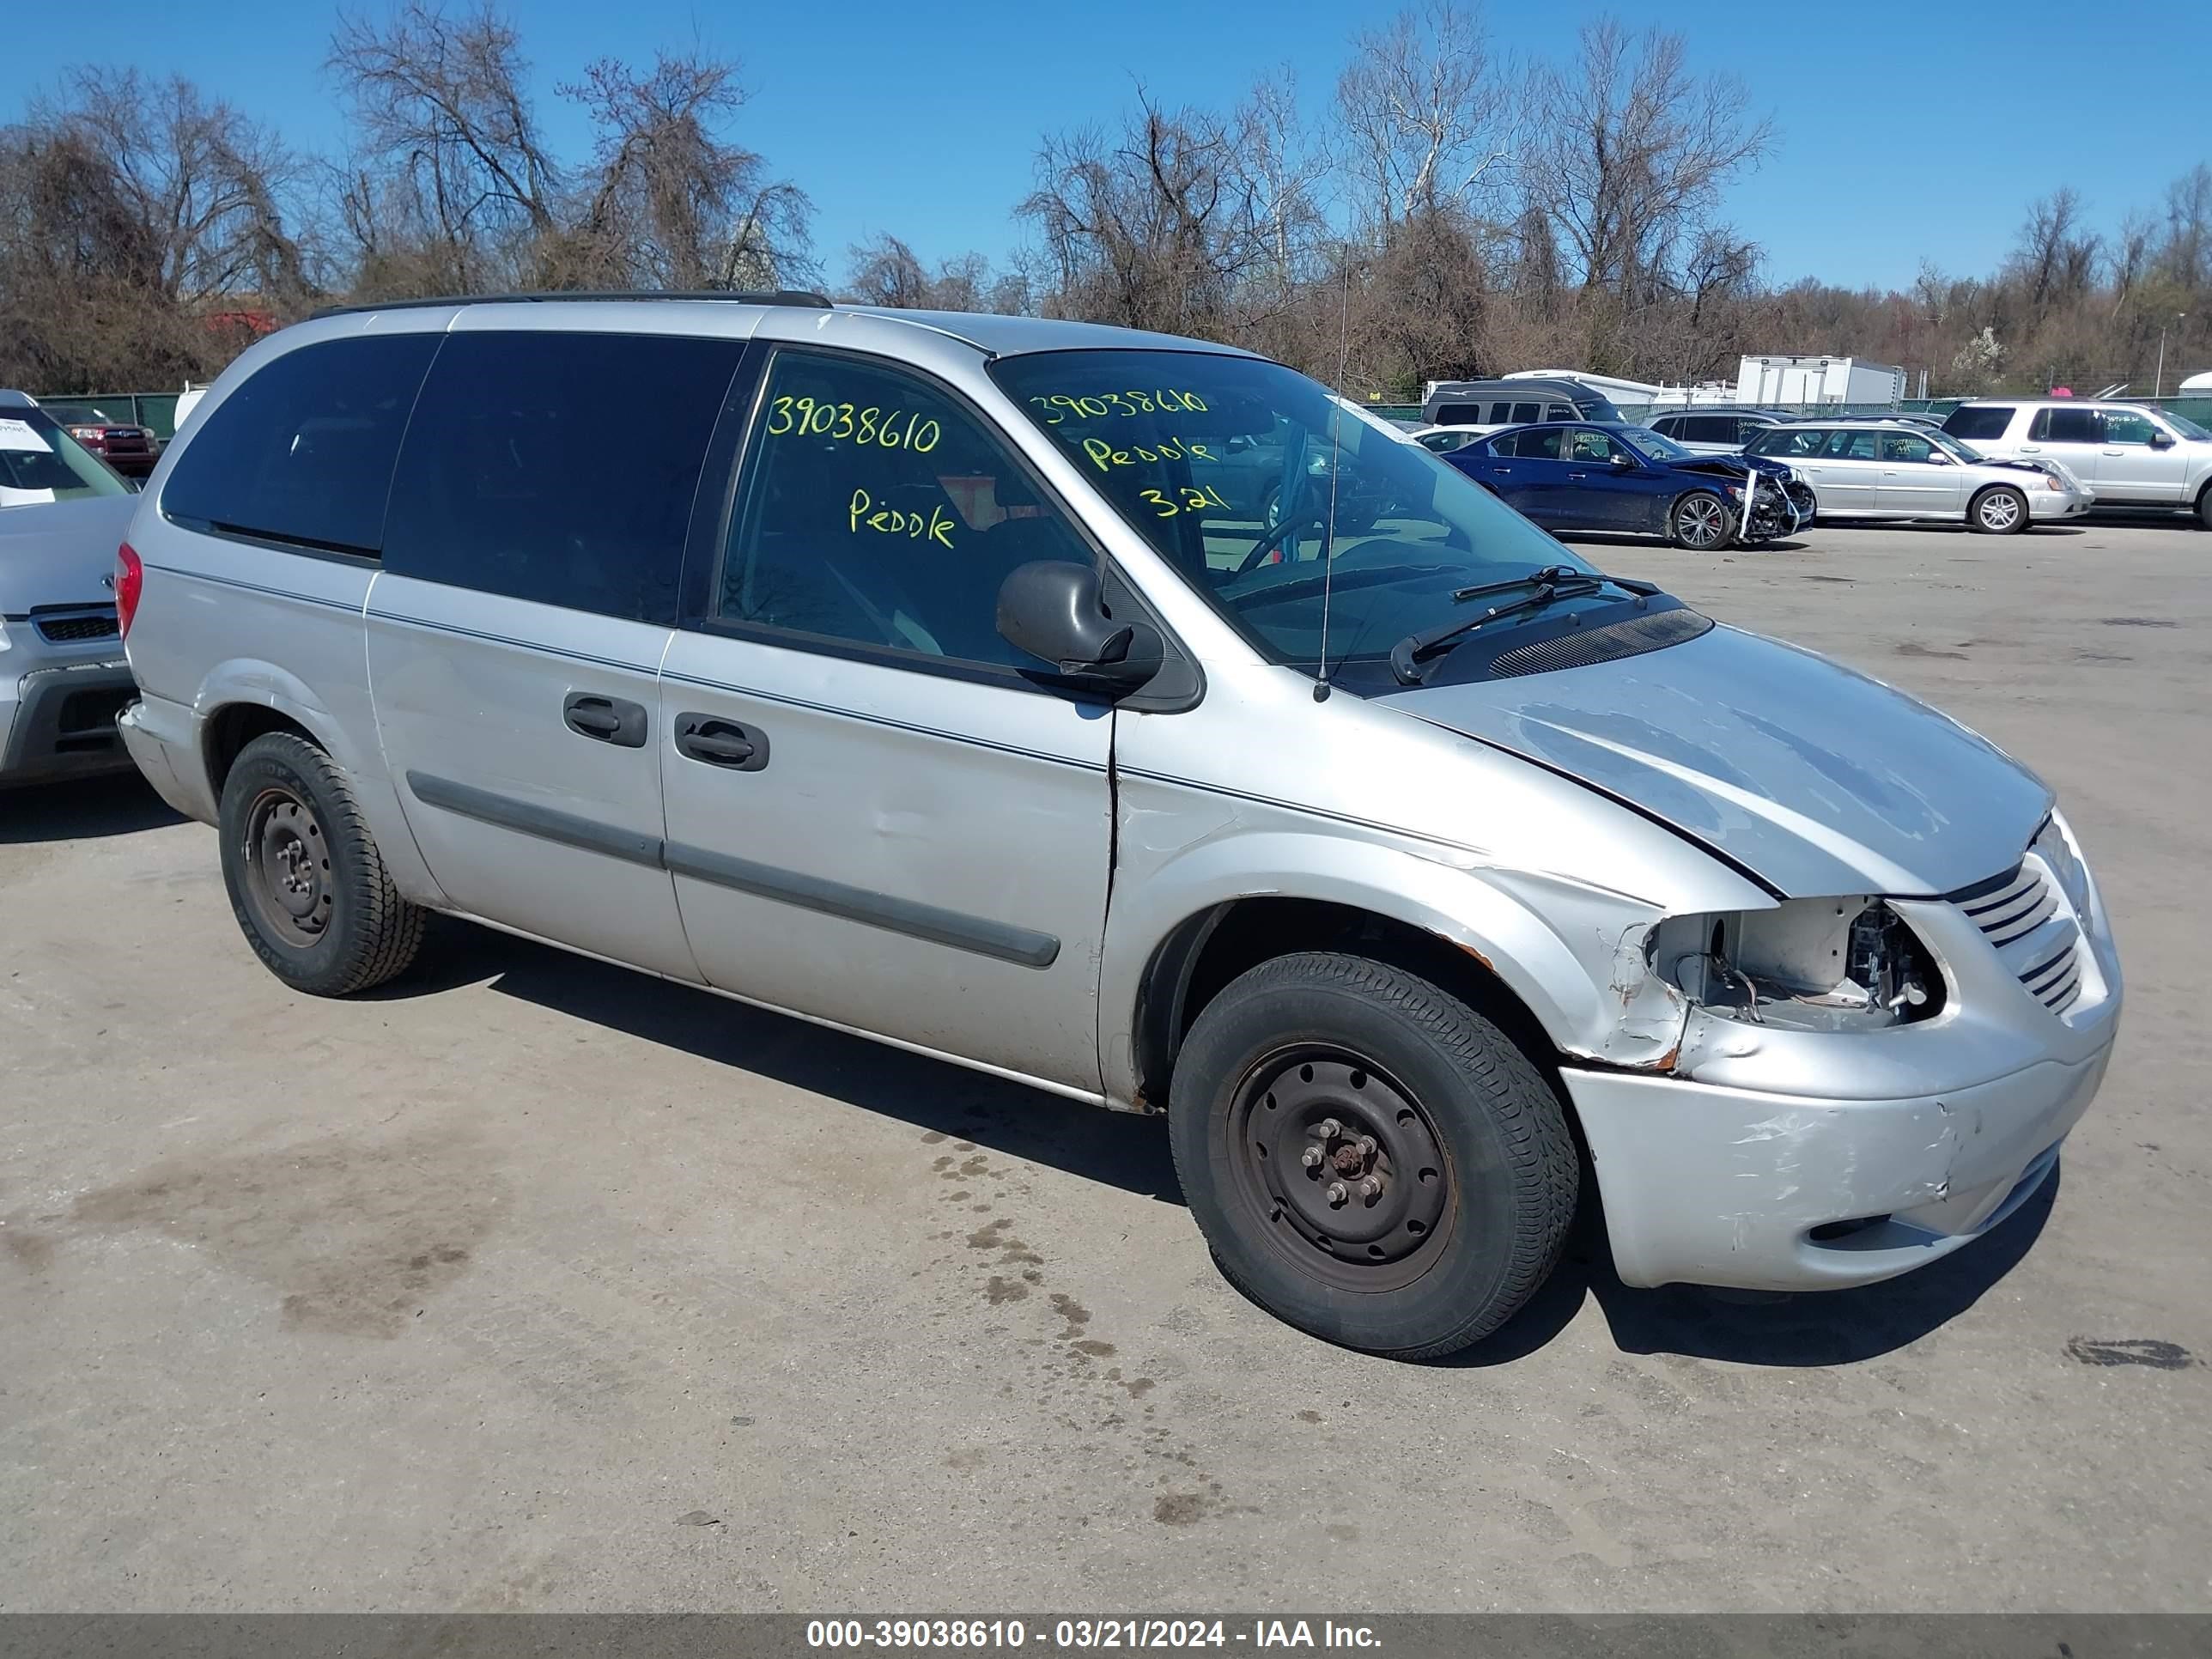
x,y
726,743
609,720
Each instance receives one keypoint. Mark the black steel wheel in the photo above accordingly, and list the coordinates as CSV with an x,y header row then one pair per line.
x,y
1341,1166
306,881
1371,1160
288,866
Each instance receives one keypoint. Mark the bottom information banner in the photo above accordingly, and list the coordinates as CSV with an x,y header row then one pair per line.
x,y
1403,1636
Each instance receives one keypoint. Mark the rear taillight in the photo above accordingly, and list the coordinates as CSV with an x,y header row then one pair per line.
x,y
129,582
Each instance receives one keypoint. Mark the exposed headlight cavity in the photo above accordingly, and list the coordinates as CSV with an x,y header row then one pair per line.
x,y
1828,965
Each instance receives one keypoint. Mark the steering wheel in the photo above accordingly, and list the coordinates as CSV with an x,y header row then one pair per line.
x,y
1269,543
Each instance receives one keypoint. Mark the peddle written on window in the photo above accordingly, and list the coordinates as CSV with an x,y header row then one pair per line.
x,y
876,509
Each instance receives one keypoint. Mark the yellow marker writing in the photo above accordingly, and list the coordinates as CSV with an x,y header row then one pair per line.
x,y
893,521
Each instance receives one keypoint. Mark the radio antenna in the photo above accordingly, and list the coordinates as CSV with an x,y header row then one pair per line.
x,y
1335,471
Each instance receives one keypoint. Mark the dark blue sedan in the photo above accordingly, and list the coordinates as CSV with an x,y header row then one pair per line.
x,y
1595,475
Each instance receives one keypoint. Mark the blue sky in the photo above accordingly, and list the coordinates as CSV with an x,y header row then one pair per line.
x,y
1907,131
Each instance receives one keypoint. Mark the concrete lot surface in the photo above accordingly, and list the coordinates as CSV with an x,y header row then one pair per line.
x,y
533,1284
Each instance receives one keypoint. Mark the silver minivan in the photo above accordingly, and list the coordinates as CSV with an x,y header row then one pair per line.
x,y
922,676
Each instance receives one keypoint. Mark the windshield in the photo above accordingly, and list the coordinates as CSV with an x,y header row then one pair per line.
x,y
1224,464
2185,427
1656,447
40,462
1958,447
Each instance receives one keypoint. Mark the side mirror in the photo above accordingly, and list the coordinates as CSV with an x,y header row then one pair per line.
x,y
1622,460
2161,439
1051,609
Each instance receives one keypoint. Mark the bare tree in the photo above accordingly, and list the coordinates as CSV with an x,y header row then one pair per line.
x,y
2056,256
1153,228
887,272
1422,114
448,139
135,214
1628,152
2184,259
674,204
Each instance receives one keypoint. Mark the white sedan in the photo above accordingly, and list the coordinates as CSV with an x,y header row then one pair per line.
x,y
1891,470
1442,439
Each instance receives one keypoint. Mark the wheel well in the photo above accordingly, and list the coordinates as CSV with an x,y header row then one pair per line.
x,y
1199,959
231,727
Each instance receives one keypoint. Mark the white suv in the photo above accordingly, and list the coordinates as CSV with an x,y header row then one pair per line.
x,y
2128,454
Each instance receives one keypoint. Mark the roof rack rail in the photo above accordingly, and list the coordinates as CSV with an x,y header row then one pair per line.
x,y
783,297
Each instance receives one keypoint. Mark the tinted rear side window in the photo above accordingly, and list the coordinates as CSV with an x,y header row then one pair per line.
x,y
2067,426
1972,423
559,467
303,451
1458,414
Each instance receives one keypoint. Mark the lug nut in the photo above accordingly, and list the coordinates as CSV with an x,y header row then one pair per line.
x,y
1371,1188
1337,1195
1328,1128
1311,1157
1366,1145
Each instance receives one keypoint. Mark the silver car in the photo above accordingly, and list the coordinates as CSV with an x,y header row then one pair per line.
x,y
904,676
1880,469
62,677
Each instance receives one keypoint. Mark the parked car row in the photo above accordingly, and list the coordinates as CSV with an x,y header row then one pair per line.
x,y
1613,477
2126,454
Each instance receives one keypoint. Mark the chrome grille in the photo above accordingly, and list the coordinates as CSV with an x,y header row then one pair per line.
x,y
2021,915
2056,982
2015,910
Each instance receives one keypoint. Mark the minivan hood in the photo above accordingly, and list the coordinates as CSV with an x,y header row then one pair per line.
x,y
1815,778
58,552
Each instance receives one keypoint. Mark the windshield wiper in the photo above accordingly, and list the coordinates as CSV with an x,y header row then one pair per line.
x,y
1551,584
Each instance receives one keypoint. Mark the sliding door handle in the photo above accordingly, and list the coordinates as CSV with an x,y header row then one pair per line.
x,y
609,720
718,742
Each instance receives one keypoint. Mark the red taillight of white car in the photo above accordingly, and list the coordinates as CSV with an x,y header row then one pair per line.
x,y
129,582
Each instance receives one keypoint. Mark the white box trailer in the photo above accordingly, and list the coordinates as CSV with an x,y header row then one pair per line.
x,y
1809,380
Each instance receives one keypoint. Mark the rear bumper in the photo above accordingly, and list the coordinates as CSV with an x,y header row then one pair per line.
x,y
59,722
1707,1185
162,739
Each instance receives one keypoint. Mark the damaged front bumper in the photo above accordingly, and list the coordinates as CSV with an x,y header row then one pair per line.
x,y
1706,1185
1773,1156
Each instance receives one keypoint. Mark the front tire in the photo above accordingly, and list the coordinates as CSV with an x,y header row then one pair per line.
x,y
306,881
2000,510
1371,1160
1700,522
2204,506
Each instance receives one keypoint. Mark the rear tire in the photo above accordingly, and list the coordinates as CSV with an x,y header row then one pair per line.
x,y
1701,522
2000,510
306,882
1474,1174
